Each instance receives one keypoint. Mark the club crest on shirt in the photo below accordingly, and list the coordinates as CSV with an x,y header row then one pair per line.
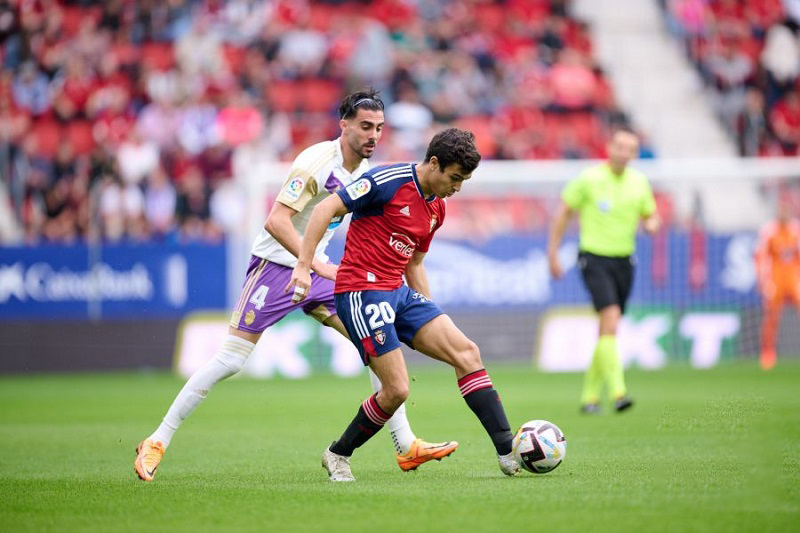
x,y
359,188
333,184
380,337
294,188
434,220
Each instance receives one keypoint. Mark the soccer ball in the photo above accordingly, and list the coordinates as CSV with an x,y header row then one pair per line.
x,y
539,446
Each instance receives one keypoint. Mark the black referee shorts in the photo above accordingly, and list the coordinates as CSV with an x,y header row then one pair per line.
x,y
608,279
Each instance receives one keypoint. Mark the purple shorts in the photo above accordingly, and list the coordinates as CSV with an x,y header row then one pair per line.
x,y
263,301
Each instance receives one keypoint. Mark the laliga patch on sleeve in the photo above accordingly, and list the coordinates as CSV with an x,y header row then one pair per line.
x,y
294,189
358,189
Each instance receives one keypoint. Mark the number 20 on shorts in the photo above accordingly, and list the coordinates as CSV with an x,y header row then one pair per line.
x,y
379,314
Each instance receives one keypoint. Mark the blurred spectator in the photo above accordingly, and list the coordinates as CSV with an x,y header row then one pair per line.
x,y
199,51
781,60
10,35
690,18
792,8
159,122
752,124
9,229
302,49
31,89
72,87
196,124
572,83
785,122
409,122
60,224
137,157
240,121
728,70
192,209
159,202
372,58
121,209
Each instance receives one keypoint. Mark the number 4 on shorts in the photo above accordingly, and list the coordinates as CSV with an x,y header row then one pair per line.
x,y
259,296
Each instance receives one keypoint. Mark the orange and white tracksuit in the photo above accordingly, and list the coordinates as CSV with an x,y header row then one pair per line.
x,y
778,271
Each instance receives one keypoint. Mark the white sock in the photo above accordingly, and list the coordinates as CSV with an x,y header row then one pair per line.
x,y
399,427
228,361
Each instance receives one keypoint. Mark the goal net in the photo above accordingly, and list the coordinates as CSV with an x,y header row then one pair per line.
x,y
694,299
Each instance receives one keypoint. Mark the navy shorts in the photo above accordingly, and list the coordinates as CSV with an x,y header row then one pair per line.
x,y
377,321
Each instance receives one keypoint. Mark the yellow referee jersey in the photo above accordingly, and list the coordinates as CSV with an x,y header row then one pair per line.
x,y
610,207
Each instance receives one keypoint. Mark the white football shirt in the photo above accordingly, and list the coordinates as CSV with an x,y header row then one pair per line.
x,y
316,173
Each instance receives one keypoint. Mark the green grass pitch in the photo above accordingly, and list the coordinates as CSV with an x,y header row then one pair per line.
x,y
713,450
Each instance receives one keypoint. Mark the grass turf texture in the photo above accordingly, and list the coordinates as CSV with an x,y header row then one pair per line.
x,y
713,450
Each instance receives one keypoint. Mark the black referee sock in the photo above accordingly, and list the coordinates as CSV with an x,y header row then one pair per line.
x,y
368,421
478,392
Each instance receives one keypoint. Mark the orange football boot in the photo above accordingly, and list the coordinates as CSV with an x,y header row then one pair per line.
x,y
148,456
422,452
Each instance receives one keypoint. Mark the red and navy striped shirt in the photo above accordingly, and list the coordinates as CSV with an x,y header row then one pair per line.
x,y
391,220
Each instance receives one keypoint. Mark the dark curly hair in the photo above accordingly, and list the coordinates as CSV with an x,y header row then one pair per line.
x,y
454,146
363,99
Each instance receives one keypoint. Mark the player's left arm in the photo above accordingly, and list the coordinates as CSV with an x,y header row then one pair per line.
x,y
320,218
651,222
416,277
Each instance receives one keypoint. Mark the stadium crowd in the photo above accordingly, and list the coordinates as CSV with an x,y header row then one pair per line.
x,y
126,119
748,53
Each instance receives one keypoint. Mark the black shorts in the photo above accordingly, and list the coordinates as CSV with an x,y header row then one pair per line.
x,y
608,279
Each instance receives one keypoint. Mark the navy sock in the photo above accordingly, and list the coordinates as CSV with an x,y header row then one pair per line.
x,y
368,421
478,392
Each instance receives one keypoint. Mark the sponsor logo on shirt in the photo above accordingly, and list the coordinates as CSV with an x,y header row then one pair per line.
x,y
294,189
434,220
604,206
401,244
359,188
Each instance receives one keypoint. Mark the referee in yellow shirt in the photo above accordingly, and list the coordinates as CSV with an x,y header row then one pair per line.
x,y
610,199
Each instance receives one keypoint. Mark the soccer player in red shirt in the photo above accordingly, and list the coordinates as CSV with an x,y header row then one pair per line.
x,y
396,210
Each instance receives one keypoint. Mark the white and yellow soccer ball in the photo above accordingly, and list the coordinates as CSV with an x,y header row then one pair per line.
x,y
539,446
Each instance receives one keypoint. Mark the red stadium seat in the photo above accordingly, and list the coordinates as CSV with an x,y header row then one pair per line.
x,y
47,134
490,18
234,56
481,127
321,16
71,21
283,95
159,56
79,132
319,95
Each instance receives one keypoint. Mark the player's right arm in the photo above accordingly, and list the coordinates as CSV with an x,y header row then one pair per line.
x,y
320,218
279,225
557,228
416,277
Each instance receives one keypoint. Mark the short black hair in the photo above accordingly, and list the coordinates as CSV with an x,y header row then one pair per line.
x,y
363,99
454,146
623,127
